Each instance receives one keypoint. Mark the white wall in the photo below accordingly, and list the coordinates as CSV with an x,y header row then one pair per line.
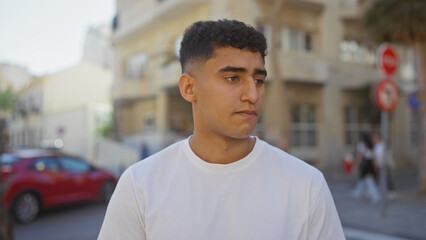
x,y
114,156
78,86
73,128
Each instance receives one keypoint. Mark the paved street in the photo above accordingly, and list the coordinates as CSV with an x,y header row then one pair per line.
x,y
80,222
362,220
404,219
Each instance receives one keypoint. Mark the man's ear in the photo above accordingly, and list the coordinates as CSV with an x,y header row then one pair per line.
x,y
187,87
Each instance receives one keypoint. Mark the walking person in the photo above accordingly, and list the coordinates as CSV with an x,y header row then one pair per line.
x,y
380,157
366,185
221,182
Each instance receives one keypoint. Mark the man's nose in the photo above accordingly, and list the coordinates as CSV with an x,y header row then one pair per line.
x,y
250,91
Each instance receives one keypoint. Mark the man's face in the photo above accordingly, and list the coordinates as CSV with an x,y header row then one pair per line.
x,y
229,93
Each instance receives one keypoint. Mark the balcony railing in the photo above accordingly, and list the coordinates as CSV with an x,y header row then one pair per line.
x,y
169,75
353,9
132,89
302,68
310,69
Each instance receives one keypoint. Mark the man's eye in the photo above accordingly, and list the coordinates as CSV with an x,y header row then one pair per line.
x,y
232,78
259,81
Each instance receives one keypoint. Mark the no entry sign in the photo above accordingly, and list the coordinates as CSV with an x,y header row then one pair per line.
x,y
388,59
386,95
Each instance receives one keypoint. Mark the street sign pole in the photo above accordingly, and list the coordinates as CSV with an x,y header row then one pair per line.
x,y
383,168
386,97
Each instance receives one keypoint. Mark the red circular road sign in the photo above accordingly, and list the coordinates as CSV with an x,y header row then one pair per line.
x,y
388,59
386,95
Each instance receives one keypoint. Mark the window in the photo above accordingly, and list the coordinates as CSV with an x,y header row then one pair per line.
x,y
355,125
294,40
266,30
45,164
136,66
352,51
308,42
303,126
74,165
299,40
7,158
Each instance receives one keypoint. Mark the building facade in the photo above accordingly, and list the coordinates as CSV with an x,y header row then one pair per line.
x,y
63,110
13,77
326,64
98,47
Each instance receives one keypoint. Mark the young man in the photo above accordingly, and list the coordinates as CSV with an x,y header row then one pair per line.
x,y
222,183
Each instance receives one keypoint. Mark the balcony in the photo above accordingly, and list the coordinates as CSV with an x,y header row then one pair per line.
x,y
309,5
354,75
132,89
303,68
353,9
149,14
169,75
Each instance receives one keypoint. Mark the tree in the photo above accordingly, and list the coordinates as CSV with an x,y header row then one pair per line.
x,y
404,22
6,105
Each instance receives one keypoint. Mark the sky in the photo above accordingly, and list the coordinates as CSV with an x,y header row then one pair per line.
x,y
47,36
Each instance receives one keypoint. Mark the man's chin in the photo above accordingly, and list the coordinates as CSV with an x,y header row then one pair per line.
x,y
243,135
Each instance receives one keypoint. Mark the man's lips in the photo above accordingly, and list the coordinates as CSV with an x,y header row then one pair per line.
x,y
247,113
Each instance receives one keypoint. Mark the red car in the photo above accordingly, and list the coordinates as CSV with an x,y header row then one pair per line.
x,y
39,179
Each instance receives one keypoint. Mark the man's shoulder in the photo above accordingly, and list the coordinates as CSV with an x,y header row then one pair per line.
x,y
161,158
291,166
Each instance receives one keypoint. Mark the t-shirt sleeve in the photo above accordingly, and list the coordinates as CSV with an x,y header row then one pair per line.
x,y
324,222
124,215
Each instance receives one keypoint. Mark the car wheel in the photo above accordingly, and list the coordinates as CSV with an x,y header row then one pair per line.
x,y
26,208
106,192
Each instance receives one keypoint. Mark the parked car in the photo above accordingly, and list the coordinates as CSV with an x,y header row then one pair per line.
x,y
39,179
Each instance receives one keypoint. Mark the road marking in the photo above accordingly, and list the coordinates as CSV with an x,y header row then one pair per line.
x,y
365,235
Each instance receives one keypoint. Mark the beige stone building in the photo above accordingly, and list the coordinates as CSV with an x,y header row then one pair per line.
x,y
325,63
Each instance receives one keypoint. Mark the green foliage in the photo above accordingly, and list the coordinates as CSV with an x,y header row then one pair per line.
x,y
398,21
105,129
6,100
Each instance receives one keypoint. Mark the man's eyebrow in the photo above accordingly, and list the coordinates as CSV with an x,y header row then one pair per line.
x,y
241,69
260,72
232,69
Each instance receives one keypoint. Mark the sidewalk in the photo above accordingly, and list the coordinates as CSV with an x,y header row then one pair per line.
x,y
405,216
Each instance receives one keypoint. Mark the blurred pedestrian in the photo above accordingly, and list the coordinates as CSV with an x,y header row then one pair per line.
x,y
366,185
144,151
380,157
221,182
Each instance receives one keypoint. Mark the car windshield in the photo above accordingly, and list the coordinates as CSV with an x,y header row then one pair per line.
x,y
7,158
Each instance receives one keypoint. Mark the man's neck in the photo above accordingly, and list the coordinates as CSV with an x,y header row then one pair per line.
x,y
221,150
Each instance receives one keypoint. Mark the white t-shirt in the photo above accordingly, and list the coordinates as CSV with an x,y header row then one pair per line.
x,y
379,153
175,195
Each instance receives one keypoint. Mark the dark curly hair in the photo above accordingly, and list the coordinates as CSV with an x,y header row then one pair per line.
x,y
201,39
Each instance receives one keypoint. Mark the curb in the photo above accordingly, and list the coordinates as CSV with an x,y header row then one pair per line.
x,y
356,234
